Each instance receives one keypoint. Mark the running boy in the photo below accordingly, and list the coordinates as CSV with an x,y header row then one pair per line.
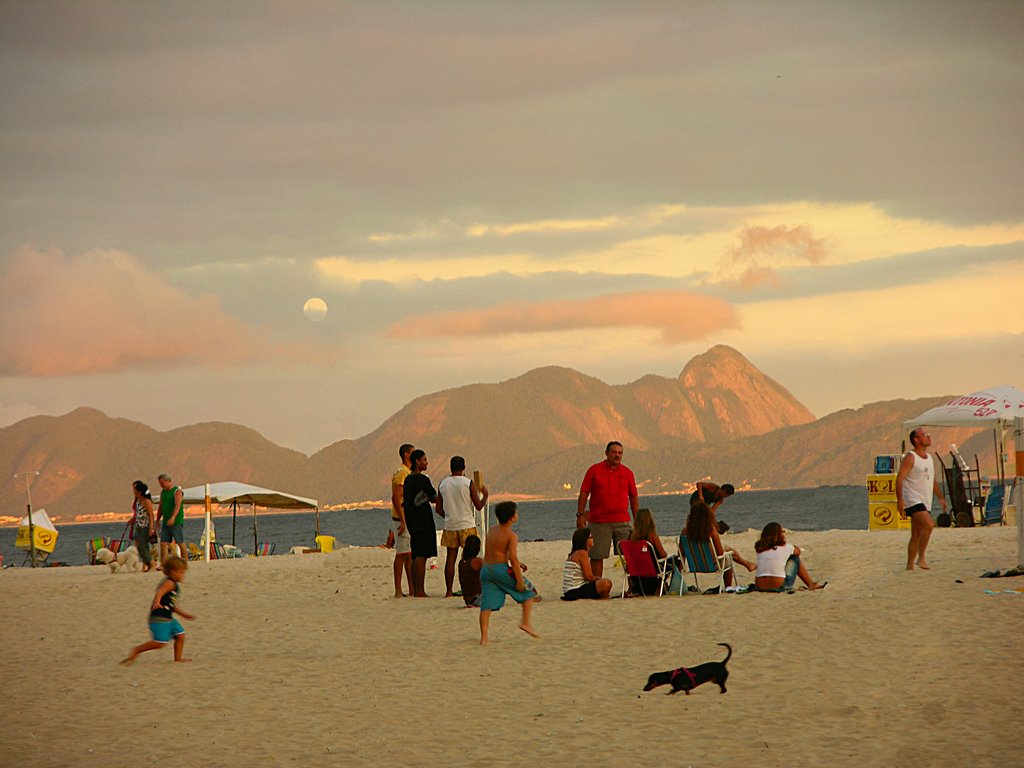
x,y
162,624
502,573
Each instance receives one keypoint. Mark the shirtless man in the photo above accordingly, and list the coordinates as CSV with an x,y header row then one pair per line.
x,y
711,494
502,573
915,484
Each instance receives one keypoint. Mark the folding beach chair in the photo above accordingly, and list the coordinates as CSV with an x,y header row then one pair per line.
x,y
94,545
194,552
699,557
264,549
640,559
995,505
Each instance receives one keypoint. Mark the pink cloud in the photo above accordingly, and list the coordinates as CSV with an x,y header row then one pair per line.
x,y
104,311
681,316
761,247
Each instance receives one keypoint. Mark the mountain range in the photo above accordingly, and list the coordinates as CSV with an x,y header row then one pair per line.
x,y
533,435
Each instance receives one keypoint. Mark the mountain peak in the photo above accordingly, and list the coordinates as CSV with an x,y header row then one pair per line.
x,y
732,398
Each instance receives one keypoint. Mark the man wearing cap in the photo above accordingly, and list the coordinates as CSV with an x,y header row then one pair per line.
x,y
611,486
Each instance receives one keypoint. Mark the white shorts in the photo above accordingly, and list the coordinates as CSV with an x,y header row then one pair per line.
x,y
403,542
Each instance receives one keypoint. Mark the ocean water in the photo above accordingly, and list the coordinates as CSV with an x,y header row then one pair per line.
x,y
801,509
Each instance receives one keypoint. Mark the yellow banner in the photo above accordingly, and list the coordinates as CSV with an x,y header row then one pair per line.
x,y
882,488
46,539
882,516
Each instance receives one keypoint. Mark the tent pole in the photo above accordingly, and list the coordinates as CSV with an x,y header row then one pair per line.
x,y
1018,434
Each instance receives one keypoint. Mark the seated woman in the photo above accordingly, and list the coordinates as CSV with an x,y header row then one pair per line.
x,y
644,530
701,526
778,563
578,580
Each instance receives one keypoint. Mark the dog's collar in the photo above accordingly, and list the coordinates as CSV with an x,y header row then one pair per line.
x,y
689,674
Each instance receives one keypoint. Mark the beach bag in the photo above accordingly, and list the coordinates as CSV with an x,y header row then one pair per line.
x,y
675,583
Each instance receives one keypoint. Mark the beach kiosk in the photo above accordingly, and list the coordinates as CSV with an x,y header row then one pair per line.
x,y
882,514
43,532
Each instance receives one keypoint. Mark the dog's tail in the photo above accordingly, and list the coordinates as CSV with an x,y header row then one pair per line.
x,y
729,654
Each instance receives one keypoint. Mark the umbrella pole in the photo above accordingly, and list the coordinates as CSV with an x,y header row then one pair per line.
x,y
317,522
234,518
255,531
1018,435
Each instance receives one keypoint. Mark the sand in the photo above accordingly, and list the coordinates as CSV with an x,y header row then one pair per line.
x,y
307,660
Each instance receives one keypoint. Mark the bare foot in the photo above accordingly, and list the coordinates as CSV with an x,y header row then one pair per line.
x,y
528,630
126,662
910,567
820,586
183,659
923,565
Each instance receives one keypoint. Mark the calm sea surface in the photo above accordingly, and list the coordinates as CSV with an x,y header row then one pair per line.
x,y
804,509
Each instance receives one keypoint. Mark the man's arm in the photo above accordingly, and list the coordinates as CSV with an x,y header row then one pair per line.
x,y
478,498
634,497
397,499
439,508
581,502
905,466
179,496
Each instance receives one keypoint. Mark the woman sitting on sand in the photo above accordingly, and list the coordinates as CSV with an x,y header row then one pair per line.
x,y
644,530
578,580
701,526
778,563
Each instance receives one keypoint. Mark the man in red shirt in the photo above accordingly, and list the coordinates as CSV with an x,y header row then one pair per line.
x,y
612,491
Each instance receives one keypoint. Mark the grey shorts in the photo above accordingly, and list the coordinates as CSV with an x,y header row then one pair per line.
x,y
605,534
170,533
403,542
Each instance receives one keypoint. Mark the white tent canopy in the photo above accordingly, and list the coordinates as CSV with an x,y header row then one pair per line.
x,y
986,408
231,492
226,492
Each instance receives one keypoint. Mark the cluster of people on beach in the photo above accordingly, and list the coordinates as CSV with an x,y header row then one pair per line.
x,y
608,513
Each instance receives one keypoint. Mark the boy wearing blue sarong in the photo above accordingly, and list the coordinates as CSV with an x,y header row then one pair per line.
x,y
502,573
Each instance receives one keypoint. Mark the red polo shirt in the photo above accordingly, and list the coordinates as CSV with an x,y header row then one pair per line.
x,y
610,491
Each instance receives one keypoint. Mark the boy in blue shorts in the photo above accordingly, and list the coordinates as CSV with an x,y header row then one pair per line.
x,y
502,573
162,624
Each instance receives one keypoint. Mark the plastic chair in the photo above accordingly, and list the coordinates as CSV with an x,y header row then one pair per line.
x,y
700,557
640,559
325,543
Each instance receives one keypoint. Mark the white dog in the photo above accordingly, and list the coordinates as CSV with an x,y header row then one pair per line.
x,y
126,561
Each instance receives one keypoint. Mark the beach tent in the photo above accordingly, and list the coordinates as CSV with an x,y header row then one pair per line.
x,y
231,492
993,408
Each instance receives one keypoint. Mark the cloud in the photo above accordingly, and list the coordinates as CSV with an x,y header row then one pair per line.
x,y
103,311
680,315
753,260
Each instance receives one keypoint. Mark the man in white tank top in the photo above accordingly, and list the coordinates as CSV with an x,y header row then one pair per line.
x,y
915,484
458,500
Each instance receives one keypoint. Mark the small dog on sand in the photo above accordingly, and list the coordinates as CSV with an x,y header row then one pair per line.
x,y
118,562
686,679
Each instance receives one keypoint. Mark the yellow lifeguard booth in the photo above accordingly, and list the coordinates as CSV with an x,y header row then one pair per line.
x,y
44,532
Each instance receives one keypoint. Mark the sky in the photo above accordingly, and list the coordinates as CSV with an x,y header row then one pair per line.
x,y
476,189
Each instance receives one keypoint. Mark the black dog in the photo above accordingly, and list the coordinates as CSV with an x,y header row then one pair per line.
x,y
683,679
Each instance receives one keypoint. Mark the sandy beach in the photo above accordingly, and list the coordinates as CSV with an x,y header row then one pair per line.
x,y
306,660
